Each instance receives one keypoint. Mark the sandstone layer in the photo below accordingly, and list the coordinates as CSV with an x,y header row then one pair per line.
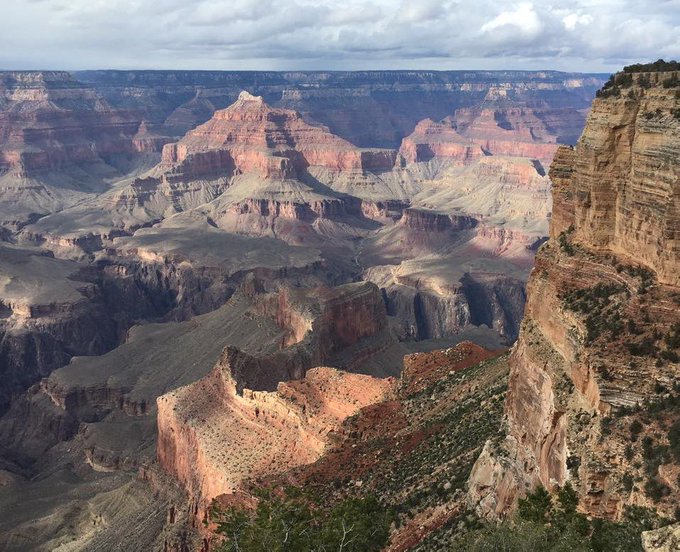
x,y
596,353
414,448
251,136
59,141
213,436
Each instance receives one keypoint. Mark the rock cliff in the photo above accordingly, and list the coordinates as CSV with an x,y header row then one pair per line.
x,y
214,434
59,141
412,448
596,368
368,108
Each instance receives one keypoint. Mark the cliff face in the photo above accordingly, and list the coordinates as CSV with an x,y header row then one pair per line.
x,y
215,433
59,139
430,139
48,119
368,108
597,352
624,178
412,447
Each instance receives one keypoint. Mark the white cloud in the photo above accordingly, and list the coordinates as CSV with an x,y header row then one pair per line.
x,y
573,19
337,34
523,18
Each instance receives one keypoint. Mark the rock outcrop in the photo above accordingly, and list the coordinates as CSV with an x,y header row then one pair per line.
x,y
413,448
622,183
511,131
59,141
368,108
666,539
597,345
214,434
250,136
430,139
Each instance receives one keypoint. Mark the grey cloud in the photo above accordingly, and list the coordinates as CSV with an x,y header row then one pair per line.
x,y
337,34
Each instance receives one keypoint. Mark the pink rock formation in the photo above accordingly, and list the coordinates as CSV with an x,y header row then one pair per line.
x,y
212,437
431,221
516,132
48,121
430,139
250,136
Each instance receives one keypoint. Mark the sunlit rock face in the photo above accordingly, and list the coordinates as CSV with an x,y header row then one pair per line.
x,y
250,136
601,298
212,437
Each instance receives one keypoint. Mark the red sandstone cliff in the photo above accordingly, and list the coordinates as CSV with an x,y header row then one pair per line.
x,y
597,346
48,120
430,139
60,140
213,437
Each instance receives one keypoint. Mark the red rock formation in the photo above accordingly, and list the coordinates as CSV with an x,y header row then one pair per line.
x,y
48,120
600,298
325,319
213,435
431,221
250,136
516,132
430,139
330,208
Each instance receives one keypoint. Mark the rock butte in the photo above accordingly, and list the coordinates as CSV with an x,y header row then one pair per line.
x,y
212,438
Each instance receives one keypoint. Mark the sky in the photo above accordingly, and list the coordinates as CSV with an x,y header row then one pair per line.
x,y
579,35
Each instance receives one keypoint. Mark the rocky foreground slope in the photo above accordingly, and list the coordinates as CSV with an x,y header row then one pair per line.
x,y
593,392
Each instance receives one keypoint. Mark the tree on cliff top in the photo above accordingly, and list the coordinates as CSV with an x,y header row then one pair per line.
x,y
657,66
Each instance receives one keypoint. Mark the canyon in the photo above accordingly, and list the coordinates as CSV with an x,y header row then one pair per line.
x,y
586,400
189,259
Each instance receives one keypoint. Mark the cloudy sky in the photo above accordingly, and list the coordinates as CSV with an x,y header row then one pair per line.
x,y
588,35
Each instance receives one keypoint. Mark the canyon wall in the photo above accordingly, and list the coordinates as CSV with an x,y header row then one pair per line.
x,y
597,352
368,108
59,141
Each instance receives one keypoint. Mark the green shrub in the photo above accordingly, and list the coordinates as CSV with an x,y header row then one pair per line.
x,y
674,439
556,526
671,82
293,522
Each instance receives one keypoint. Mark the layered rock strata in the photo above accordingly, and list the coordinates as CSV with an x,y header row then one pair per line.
x,y
214,434
250,136
60,141
597,345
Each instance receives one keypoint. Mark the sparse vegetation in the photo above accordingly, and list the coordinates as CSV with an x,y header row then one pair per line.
x,y
565,244
671,82
596,304
552,523
654,67
294,521
624,79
